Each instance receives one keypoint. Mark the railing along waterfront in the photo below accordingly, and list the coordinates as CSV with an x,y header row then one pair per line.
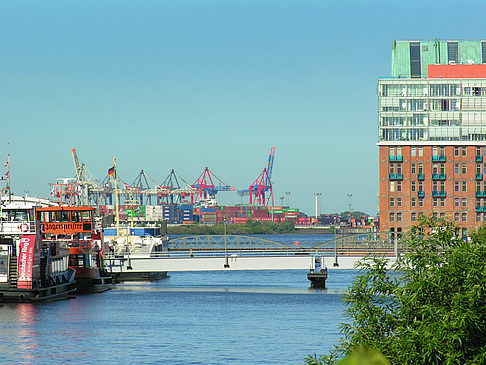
x,y
199,242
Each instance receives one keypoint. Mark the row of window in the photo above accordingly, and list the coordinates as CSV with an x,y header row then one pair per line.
x,y
433,90
436,202
436,151
416,186
458,217
396,168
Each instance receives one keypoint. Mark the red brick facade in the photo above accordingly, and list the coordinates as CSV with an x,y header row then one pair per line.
x,y
444,180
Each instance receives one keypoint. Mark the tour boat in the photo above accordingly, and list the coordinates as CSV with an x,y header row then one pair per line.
x,y
31,269
75,227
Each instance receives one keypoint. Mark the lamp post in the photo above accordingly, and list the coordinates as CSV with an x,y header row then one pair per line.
x,y
288,197
317,195
226,264
282,201
350,197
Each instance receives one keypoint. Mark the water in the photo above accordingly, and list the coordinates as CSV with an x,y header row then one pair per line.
x,y
230,317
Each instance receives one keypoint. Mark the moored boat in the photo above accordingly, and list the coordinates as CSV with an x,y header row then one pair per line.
x,y
31,269
75,227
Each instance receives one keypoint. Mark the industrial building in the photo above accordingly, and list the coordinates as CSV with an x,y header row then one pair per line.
x,y
432,134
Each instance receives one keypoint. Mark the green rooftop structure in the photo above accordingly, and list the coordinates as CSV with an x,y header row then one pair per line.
x,y
410,59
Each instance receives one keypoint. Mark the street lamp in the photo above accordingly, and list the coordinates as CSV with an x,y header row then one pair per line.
x,y
317,195
350,197
288,197
281,201
226,264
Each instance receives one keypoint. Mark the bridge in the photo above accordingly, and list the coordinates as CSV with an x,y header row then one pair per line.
x,y
240,252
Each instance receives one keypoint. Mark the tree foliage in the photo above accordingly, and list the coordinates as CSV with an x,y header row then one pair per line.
x,y
430,308
250,227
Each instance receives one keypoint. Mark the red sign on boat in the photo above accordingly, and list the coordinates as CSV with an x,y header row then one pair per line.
x,y
26,258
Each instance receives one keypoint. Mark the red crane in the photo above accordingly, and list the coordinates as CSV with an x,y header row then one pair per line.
x,y
262,184
206,188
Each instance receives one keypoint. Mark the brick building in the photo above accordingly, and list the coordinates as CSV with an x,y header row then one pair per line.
x,y
432,134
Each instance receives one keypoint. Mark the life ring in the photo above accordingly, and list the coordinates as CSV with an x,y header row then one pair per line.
x,y
296,243
24,227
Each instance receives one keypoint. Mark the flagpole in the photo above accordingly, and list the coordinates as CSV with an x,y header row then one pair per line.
x,y
116,201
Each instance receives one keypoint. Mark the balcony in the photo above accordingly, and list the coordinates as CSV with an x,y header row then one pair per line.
x,y
438,193
420,176
420,194
395,176
395,158
479,176
480,208
480,194
440,158
438,177
479,158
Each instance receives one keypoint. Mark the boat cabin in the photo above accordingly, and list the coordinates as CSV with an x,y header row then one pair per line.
x,y
66,220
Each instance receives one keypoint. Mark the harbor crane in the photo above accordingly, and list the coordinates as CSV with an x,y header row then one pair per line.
x,y
261,190
206,190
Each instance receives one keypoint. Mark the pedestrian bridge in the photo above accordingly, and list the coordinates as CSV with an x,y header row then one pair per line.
x,y
218,242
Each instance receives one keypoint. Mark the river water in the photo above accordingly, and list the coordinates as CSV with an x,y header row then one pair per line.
x,y
221,317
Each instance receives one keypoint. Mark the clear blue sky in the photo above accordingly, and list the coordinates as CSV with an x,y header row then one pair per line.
x,y
188,84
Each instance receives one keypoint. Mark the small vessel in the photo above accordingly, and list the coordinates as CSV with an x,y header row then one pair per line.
x,y
74,226
31,269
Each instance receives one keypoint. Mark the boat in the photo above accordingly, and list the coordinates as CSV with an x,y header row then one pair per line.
x,y
75,227
31,269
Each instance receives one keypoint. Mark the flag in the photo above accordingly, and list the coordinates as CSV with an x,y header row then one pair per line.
x,y
111,172
7,163
126,185
7,175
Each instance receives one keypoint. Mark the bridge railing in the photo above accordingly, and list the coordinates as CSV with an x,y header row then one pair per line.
x,y
198,242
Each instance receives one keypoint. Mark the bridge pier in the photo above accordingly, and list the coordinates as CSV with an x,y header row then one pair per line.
x,y
318,279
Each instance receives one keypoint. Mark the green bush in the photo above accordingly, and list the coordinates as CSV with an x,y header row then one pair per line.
x,y
429,309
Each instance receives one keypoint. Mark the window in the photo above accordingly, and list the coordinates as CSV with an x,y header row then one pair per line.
x,y
452,52
464,202
464,217
399,202
392,186
478,186
420,168
420,202
399,151
413,186
456,217
442,168
392,217
442,215
412,166
464,186
463,150
399,168
435,168
413,217
442,202
413,202
415,65
456,186
399,186
478,169
478,151
434,215
391,151
456,151
399,217
442,151
413,151
464,168
420,186
456,202
392,202
434,202
478,217
392,168
434,186
464,232
420,151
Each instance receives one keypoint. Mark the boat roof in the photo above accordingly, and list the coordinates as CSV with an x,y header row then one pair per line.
x,y
23,202
65,208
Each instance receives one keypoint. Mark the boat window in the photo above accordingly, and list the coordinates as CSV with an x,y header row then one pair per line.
x,y
62,216
86,217
77,260
75,216
15,215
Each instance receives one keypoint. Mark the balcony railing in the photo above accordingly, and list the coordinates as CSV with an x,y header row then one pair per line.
x,y
395,158
479,176
438,177
480,194
480,208
440,158
439,193
479,158
420,176
395,176
420,194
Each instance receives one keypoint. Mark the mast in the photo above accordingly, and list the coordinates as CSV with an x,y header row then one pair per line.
x,y
116,199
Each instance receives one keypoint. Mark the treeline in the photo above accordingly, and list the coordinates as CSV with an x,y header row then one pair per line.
x,y
250,227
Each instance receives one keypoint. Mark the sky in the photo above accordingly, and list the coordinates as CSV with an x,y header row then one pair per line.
x,y
188,84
